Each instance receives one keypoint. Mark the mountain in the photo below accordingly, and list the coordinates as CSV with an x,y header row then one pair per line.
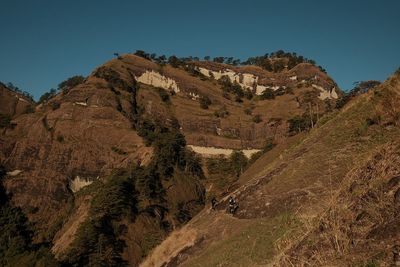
x,y
107,169
13,103
329,199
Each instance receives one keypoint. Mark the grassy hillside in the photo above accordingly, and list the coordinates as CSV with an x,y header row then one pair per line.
x,y
288,197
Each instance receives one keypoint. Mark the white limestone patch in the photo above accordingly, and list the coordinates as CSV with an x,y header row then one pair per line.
x,y
157,80
14,173
78,183
324,94
81,104
194,96
214,151
245,80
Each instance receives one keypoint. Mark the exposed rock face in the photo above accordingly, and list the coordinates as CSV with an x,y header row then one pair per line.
x,y
12,103
56,152
52,147
157,80
259,81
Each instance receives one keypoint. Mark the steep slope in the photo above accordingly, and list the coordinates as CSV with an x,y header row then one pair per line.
x,y
13,103
227,123
282,206
115,141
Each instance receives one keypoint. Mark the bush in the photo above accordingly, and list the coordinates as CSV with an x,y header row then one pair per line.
x,y
112,77
70,83
5,120
267,94
248,111
47,96
204,101
229,87
397,72
360,88
55,105
16,246
222,112
163,95
298,124
60,138
238,161
257,118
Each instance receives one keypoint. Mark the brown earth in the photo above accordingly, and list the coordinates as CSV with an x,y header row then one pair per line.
x,y
88,132
327,200
12,103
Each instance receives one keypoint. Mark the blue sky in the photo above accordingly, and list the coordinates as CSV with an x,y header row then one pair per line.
x,y
43,42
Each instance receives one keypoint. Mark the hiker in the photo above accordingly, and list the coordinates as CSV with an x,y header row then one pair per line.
x,y
214,203
233,206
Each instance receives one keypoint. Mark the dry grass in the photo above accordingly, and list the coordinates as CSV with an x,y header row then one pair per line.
x,y
311,181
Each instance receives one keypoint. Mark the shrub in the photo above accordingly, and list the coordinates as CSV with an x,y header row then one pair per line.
x,y
360,88
16,246
248,111
47,96
238,99
238,161
112,77
267,94
257,118
71,82
55,105
143,54
60,138
298,124
174,61
5,120
397,72
222,112
204,101
163,95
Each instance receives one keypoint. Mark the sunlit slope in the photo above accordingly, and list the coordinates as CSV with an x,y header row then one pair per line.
x,y
288,193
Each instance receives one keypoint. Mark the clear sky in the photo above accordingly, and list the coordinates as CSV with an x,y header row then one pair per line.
x,y
43,42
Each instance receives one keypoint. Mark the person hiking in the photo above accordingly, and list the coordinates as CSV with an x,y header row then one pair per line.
x,y
233,206
214,203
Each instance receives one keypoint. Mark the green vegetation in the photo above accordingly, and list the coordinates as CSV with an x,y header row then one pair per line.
x,y
46,124
60,138
253,245
70,83
248,111
55,105
98,241
112,77
164,95
299,124
221,112
128,193
267,94
118,150
359,88
16,247
269,145
277,61
229,87
257,118
227,170
47,96
15,89
5,120
204,101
